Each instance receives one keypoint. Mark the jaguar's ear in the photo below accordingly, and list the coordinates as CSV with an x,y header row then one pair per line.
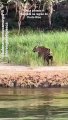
x,y
34,49
36,46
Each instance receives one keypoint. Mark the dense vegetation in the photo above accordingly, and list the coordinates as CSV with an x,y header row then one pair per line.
x,y
21,46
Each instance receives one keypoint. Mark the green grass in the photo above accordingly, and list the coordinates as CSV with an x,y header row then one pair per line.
x,y
21,46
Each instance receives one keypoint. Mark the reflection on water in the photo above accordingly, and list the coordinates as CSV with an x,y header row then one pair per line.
x,y
34,104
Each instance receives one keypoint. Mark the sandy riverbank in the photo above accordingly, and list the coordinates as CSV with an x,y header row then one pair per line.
x,y
31,77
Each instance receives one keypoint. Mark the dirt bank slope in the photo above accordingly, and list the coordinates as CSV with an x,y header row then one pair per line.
x,y
31,77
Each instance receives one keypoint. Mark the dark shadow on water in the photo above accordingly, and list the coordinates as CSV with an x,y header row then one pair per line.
x,y
40,112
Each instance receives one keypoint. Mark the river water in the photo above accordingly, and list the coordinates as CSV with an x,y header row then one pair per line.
x,y
34,104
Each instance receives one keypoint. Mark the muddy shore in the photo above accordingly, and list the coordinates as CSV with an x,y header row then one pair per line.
x,y
33,77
